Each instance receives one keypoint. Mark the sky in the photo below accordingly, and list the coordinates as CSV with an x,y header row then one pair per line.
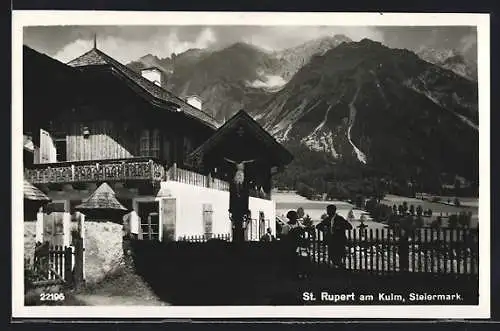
x,y
128,43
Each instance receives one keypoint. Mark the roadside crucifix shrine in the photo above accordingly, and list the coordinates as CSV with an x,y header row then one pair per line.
x,y
244,154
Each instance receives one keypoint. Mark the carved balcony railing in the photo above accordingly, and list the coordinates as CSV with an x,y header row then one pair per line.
x,y
134,169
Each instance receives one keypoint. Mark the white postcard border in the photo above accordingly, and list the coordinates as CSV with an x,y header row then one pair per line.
x,y
31,18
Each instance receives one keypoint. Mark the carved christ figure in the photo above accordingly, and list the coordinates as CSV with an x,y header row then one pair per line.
x,y
239,175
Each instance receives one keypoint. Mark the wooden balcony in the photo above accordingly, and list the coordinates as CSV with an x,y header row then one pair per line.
x,y
121,170
133,169
193,178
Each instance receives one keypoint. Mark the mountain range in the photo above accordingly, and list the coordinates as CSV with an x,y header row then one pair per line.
x,y
408,114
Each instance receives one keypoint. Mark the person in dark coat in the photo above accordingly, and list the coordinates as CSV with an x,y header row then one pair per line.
x,y
334,227
268,236
292,237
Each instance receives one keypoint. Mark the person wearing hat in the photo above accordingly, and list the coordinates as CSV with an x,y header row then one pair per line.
x,y
292,237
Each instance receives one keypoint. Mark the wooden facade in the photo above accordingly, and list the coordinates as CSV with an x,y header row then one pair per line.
x,y
98,122
110,117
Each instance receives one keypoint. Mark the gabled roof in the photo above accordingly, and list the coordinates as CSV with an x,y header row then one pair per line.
x,y
95,57
43,61
241,118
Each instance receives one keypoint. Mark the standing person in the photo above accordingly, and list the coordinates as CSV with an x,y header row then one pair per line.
x,y
334,227
292,235
268,236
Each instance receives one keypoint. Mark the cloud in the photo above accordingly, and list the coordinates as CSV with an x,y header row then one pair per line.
x,y
277,38
269,82
468,42
128,43
126,49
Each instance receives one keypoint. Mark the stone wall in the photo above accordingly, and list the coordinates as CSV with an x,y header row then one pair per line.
x,y
103,249
29,240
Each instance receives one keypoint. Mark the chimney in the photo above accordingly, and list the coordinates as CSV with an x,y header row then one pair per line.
x,y
194,101
153,74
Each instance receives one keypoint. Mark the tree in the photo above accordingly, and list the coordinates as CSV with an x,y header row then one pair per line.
x,y
305,190
412,210
401,210
419,210
359,201
405,207
457,202
371,205
457,187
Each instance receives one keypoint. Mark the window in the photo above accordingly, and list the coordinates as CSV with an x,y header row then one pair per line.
x,y
207,219
150,143
155,144
60,145
144,143
150,221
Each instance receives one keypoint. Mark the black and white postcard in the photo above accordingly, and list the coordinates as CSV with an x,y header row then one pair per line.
x,y
250,165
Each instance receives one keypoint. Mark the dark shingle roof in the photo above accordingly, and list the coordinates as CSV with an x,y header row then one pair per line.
x,y
280,154
96,57
103,198
33,193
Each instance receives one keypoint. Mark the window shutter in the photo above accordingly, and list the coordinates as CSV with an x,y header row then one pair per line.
x,y
207,219
48,152
169,219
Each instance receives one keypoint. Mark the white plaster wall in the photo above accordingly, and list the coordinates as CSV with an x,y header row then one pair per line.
x,y
268,207
190,200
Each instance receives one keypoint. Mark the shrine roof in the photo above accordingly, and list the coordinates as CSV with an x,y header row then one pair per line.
x,y
281,156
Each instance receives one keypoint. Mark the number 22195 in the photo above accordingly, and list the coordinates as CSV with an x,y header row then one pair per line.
x,y
52,296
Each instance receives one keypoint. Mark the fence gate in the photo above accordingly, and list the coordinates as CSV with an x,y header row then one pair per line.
x,y
58,264
53,263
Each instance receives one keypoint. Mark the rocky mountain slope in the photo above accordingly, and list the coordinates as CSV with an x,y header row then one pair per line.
x,y
463,65
238,76
384,107
355,102
294,58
